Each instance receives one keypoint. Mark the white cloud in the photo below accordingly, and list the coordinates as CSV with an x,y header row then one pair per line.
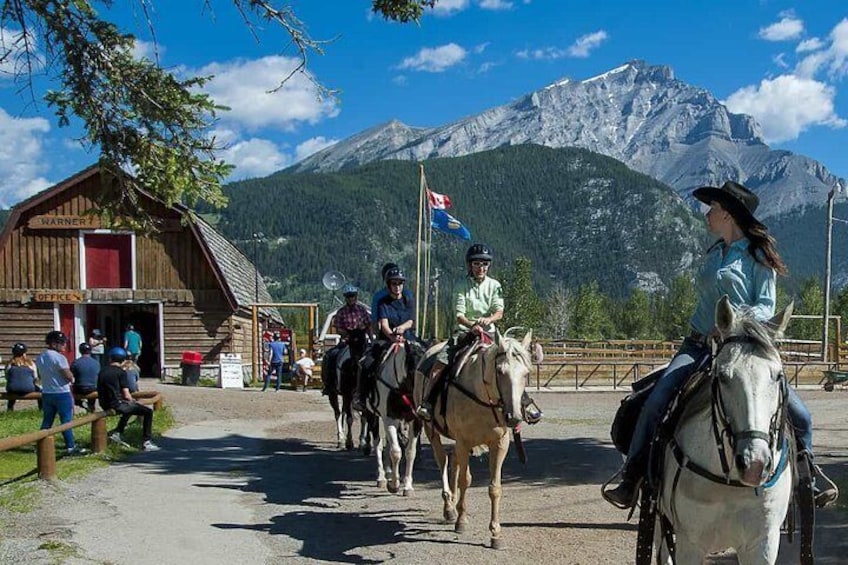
x,y
400,80
255,157
487,66
789,27
436,59
812,44
585,44
832,56
787,105
18,52
245,85
147,50
495,5
311,146
580,49
780,60
22,162
445,8
482,47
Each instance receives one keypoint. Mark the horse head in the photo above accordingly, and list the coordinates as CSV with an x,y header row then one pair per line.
x,y
511,359
749,390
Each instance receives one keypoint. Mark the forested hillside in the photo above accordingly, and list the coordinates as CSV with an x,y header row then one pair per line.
x,y
577,215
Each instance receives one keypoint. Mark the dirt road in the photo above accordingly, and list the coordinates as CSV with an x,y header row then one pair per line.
x,y
250,478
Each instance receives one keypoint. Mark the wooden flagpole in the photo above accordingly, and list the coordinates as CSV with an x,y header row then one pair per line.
x,y
421,199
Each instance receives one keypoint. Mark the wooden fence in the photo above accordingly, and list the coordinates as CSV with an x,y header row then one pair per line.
x,y
45,443
617,363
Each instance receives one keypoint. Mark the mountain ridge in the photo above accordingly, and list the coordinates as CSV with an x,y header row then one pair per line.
x,y
638,113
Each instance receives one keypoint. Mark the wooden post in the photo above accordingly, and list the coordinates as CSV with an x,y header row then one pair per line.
x,y
46,450
255,362
98,435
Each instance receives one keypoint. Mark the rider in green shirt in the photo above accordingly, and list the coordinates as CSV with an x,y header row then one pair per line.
x,y
479,304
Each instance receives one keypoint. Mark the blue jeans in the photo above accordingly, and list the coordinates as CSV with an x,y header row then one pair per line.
x,y
800,419
63,404
274,368
690,356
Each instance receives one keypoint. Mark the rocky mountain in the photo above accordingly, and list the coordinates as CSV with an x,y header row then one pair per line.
x,y
640,114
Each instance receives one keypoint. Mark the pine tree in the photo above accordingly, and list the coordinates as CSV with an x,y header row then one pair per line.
x,y
522,305
591,314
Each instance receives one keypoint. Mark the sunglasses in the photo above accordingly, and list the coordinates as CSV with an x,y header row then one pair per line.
x,y
480,263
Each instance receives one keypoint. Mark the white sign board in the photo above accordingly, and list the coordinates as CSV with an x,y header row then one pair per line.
x,y
230,375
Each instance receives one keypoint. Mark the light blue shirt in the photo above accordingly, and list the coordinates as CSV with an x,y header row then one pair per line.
x,y
50,364
749,285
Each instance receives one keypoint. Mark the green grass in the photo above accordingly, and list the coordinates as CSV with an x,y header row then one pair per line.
x,y
60,551
18,474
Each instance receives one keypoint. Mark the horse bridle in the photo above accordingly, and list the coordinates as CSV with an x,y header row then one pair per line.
x,y
722,427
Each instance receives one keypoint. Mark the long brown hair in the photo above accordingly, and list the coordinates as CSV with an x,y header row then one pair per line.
x,y
763,247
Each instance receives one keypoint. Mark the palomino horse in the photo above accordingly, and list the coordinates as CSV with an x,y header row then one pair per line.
x,y
392,402
481,405
726,480
338,371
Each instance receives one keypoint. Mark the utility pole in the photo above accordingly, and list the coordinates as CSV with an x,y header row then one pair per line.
x,y
827,253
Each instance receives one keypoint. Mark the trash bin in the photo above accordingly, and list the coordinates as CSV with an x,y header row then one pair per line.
x,y
190,366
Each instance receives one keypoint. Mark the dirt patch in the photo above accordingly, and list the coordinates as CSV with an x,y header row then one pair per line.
x,y
308,501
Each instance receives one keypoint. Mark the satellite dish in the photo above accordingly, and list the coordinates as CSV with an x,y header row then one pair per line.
x,y
333,280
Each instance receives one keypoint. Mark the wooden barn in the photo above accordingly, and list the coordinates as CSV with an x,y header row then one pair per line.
x,y
183,287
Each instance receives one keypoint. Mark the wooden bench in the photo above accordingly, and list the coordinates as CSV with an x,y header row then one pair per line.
x,y
141,394
45,444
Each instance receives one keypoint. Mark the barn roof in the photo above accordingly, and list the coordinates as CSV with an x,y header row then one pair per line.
x,y
236,274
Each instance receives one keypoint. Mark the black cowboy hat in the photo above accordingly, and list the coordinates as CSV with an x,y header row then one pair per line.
x,y
738,200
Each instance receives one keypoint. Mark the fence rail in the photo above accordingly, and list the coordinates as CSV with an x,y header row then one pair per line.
x,y
45,443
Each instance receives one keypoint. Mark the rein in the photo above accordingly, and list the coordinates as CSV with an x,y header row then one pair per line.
x,y
722,429
489,403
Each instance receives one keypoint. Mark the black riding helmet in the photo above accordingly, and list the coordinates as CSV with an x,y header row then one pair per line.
x,y
386,268
56,337
478,252
19,349
394,274
84,348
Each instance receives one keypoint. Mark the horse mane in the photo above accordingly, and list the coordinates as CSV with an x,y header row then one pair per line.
x,y
513,348
759,333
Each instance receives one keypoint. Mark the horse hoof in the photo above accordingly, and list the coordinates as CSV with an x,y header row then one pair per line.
x,y
382,483
497,543
450,516
348,445
408,492
366,450
392,488
459,527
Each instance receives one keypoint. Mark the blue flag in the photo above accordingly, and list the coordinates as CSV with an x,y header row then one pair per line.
x,y
444,222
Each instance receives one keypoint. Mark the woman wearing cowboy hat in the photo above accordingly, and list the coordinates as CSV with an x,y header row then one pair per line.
x,y
743,264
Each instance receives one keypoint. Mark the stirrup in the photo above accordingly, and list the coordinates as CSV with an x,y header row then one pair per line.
x,y
825,491
424,412
631,504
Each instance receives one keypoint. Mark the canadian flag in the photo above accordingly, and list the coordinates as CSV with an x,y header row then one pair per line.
x,y
438,201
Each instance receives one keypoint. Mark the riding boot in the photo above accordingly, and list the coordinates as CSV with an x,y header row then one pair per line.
x,y
625,495
428,395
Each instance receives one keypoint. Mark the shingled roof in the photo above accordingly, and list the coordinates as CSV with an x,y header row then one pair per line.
x,y
238,272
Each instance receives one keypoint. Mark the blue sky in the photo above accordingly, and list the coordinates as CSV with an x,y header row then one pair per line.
x,y
783,62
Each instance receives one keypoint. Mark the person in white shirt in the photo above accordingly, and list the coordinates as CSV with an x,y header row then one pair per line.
x,y
303,367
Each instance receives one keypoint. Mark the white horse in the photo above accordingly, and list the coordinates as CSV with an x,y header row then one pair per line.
x,y
483,405
392,402
727,477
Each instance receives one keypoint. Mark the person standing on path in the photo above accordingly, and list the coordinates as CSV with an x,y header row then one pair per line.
x,y
277,349
132,342
56,379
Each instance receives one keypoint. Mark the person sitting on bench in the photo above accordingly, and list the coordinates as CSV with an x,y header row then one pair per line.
x,y
20,375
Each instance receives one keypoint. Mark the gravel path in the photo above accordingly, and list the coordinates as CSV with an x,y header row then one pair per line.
x,y
248,477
